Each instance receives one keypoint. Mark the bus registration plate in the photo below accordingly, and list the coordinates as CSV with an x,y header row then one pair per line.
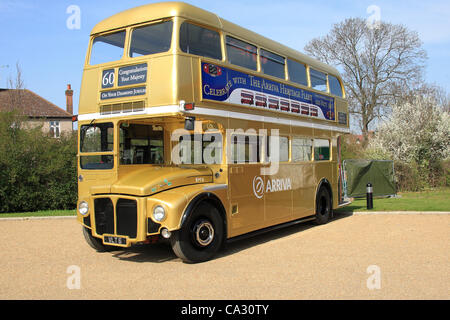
x,y
120,241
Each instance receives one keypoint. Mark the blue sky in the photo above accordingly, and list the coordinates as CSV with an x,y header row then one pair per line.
x,y
34,32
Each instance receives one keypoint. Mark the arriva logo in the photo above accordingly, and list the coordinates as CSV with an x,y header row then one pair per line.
x,y
272,185
258,187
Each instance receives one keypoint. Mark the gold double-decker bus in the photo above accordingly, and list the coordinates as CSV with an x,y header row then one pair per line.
x,y
199,131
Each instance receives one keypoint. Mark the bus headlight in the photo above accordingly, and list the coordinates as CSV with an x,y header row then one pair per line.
x,y
83,208
159,213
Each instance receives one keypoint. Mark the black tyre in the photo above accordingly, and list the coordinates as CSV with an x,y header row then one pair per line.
x,y
94,242
323,206
201,236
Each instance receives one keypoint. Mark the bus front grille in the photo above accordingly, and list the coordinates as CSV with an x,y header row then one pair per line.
x,y
123,224
104,216
126,211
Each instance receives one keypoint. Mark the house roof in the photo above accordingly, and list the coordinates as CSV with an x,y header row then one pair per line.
x,y
30,104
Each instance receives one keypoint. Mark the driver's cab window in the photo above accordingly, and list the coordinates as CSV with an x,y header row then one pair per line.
x,y
141,144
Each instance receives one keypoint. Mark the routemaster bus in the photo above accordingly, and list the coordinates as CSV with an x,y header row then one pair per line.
x,y
195,130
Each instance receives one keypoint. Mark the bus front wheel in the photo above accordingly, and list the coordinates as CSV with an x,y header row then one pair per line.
x,y
201,235
94,242
323,206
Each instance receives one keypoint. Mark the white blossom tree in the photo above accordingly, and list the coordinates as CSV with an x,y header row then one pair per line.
x,y
418,131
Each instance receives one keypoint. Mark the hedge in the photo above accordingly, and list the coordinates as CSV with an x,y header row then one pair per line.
x,y
37,172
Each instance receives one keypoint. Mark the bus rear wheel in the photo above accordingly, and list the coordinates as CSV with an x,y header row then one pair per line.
x,y
323,206
201,236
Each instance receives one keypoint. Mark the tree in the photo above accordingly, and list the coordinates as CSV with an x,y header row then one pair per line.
x,y
417,135
418,130
16,87
377,64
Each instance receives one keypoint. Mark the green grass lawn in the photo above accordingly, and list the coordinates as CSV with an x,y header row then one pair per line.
x,y
431,200
50,213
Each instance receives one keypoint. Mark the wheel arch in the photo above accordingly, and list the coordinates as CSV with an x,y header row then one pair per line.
x,y
324,183
213,200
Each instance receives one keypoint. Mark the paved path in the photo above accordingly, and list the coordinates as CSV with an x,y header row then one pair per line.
x,y
410,252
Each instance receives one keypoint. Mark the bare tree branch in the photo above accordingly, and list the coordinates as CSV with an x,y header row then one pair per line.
x,y
16,87
376,64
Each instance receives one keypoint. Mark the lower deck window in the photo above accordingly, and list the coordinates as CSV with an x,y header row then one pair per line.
x,y
245,149
301,149
97,138
141,144
200,148
282,144
98,162
321,149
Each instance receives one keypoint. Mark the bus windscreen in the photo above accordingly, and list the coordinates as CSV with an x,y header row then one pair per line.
x,y
107,48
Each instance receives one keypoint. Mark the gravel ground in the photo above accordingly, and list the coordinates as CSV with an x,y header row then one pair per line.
x,y
41,258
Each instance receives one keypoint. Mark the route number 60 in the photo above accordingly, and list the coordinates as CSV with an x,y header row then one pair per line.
x,y
108,78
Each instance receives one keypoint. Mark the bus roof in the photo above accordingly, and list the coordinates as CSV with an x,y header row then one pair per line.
x,y
163,10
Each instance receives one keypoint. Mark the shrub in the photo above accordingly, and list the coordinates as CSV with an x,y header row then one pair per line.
x,y
37,172
408,177
417,138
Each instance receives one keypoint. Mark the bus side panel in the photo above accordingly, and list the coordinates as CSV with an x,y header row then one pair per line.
x,y
185,78
303,186
89,91
161,90
304,181
335,171
247,210
278,195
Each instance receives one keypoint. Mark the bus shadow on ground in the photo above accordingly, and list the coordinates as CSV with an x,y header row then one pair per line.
x,y
156,253
272,235
162,251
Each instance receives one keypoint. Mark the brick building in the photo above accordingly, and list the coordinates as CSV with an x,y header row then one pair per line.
x,y
38,111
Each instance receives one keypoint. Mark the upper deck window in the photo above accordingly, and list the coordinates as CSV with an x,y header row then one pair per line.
x,y
297,72
107,48
241,53
200,41
272,64
335,86
318,80
151,39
